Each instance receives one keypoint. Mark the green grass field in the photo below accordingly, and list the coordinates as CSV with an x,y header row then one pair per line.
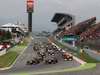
x,y
9,58
84,56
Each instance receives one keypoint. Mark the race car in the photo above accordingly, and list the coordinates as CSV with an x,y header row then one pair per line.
x,y
67,56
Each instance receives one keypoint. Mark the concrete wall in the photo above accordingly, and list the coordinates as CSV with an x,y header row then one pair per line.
x,y
2,52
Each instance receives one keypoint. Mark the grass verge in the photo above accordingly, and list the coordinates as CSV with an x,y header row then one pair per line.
x,y
9,58
85,57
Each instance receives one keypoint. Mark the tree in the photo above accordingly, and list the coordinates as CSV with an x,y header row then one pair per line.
x,y
8,35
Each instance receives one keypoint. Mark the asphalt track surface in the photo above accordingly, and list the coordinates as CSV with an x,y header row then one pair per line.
x,y
21,67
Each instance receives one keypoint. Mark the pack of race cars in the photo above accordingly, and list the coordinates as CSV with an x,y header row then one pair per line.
x,y
47,54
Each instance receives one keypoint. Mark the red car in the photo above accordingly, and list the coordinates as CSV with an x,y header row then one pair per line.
x,y
67,56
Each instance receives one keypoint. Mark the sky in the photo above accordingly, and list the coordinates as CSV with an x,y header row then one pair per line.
x,y
15,10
